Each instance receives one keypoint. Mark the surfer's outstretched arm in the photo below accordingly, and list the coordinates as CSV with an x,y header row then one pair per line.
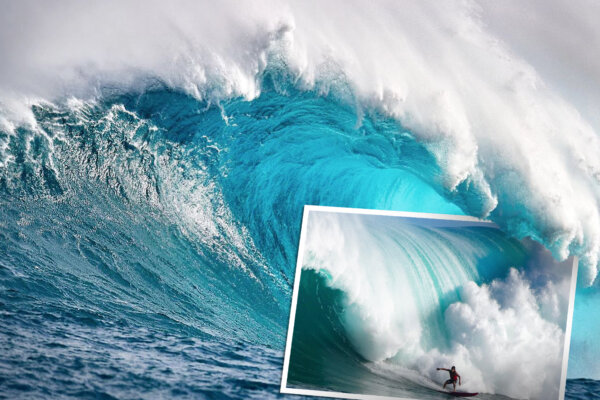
x,y
442,369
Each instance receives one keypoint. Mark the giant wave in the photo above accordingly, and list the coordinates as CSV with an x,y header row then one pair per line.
x,y
509,144
152,173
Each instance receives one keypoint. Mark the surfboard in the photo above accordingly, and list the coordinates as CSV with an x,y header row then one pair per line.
x,y
458,394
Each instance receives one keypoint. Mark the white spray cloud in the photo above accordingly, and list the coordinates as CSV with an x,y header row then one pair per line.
x,y
509,346
501,343
500,95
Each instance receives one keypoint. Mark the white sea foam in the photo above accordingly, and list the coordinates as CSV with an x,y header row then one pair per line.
x,y
500,94
506,345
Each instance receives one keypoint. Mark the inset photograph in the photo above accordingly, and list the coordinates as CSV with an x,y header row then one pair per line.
x,y
425,306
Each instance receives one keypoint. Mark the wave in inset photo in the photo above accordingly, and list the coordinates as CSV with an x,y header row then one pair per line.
x,y
385,301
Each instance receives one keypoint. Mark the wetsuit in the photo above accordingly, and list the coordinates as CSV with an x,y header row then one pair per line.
x,y
453,378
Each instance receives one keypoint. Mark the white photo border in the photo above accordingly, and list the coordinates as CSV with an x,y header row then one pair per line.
x,y
303,232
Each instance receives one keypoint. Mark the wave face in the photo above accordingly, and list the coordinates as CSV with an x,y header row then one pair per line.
x,y
156,227
153,171
384,300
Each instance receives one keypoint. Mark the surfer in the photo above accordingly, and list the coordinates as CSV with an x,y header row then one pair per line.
x,y
453,377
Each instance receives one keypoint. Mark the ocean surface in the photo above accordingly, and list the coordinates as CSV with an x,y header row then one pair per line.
x,y
154,170
579,389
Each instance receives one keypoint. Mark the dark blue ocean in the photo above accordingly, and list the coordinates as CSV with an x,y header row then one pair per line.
x,y
582,389
148,240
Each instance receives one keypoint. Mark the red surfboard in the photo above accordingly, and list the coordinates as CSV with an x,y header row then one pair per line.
x,y
458,394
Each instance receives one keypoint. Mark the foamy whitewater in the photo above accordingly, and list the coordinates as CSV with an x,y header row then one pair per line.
x,y
155,158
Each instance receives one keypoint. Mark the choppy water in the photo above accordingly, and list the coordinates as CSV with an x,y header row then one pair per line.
x,y
580,389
